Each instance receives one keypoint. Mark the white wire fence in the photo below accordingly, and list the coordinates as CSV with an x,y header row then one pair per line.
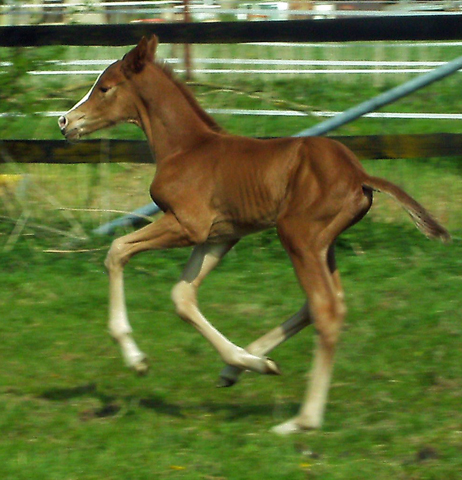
x,y
377,63
279,67
286,113
223,65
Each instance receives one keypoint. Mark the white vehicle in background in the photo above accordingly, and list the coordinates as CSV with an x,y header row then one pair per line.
x,y
263,11
323,10
200,11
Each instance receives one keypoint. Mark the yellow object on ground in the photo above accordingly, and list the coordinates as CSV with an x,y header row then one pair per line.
x,y
9,181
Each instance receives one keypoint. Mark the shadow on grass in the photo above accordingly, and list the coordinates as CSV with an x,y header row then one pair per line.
x,y
237,411
110,405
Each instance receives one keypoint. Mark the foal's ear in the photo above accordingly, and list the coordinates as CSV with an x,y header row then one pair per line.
x,y
135,60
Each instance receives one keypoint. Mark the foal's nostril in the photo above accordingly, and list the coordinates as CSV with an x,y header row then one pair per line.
x,y
62,122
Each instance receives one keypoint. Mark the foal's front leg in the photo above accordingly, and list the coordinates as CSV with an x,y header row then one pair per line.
x,y
165,233
203,259
268,342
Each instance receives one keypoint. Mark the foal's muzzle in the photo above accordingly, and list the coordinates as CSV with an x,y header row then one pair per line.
x,y
62,123
71,135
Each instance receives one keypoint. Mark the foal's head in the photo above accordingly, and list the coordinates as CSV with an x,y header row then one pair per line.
x,y
112,99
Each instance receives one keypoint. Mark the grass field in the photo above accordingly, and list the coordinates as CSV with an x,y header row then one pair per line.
x,y
69,410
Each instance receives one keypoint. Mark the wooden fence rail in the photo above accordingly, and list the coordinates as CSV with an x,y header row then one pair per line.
x,y
392,28
137,151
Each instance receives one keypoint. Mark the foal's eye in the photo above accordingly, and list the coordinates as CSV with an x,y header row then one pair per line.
x,y
104,89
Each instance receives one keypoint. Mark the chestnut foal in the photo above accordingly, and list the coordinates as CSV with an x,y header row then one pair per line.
x,y
214,188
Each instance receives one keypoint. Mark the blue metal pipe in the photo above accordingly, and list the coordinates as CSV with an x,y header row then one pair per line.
x,y
383,99
133,218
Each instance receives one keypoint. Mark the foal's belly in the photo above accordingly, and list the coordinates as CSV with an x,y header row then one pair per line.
x,y
226,229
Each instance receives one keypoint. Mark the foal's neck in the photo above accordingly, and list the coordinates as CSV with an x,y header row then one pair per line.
x,y
170,116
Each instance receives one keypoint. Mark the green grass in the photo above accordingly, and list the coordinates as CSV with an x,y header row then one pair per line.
x,y
69,409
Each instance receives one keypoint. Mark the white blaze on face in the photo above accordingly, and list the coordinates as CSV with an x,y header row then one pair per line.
x,y
85,98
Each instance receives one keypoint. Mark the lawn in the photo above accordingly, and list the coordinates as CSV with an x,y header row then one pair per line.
x,y
70,410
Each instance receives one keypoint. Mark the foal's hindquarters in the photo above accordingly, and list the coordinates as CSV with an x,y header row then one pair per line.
x,y
308,231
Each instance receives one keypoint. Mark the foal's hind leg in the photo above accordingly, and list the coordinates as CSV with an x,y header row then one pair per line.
x,y
311,260
203,259
268,342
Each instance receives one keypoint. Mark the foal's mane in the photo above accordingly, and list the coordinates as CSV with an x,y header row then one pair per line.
x,y
189,96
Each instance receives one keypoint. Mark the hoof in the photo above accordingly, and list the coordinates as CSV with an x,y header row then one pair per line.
x,y
287,428
229,376
141,368
224,382
272,367
291,426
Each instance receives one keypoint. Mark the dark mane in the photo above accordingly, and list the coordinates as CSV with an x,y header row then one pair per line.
x,y
210,121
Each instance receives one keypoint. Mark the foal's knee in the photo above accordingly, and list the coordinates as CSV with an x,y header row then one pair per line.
x,y
115,256
184,298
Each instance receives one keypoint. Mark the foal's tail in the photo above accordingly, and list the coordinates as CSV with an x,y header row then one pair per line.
x,y
422,219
